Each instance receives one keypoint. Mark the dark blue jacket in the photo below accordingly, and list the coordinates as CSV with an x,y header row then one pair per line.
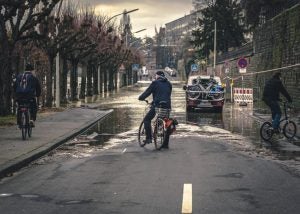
x,y
272,89
34,85
161,90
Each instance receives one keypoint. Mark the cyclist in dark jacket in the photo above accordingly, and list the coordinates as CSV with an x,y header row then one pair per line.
x,y
161,90
272,89
31,95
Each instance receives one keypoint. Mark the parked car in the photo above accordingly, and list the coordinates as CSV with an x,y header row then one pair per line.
x,y
204,92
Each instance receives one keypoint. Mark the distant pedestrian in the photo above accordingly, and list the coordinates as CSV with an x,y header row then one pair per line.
x,y
272,89
27,88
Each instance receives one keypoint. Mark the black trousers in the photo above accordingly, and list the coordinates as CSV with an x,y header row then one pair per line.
x,y
276,112
32,107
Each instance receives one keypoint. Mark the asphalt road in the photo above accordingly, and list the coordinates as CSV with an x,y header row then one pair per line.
x,y
129,179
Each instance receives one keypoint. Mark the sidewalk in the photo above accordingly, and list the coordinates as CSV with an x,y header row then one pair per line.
x,y
49,133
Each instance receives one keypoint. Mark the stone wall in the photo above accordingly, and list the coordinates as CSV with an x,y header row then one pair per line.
x,y
275,45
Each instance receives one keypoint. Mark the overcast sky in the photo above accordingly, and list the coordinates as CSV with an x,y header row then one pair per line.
x,y
150,13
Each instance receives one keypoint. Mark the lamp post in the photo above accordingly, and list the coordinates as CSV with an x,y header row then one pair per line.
x,y
140,30
215,47
125,12
57,73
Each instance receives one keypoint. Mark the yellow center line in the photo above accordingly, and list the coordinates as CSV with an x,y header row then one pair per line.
x,y
187,205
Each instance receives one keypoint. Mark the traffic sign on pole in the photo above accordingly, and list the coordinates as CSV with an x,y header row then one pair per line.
x,y
135,67
194,67
242,63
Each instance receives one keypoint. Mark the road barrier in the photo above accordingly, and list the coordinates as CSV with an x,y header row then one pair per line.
x,y
243,95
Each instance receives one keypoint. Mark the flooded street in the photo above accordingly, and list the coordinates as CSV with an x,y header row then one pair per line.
x,y
235,126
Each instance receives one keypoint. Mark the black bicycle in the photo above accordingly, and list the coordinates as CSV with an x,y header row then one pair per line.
x,y
287,127
24,119
158,126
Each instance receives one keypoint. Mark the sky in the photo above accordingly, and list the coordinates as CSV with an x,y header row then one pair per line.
x,y
151,13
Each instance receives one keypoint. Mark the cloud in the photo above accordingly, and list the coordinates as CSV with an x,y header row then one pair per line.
x,y
151,13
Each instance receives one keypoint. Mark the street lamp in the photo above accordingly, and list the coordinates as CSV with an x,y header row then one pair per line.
x,y
140,30
57,67
125,12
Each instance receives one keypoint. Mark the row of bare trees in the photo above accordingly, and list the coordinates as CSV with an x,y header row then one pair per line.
x,y
36,31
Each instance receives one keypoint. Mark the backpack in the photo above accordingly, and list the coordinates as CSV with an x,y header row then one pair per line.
x,y
25,84
171,124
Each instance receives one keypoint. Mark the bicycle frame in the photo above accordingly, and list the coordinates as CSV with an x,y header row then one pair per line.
x,y
287,127
158,126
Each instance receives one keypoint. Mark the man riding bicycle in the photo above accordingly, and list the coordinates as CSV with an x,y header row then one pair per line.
x,y
161,90
271,92
27,88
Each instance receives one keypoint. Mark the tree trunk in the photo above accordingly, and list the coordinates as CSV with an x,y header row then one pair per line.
x,y
64,81
83,83
5,83
101,79
110,80
116,81
73,80
89,85
49,81
95,82
105,80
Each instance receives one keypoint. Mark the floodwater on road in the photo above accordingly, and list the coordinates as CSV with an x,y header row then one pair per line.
x,y
122,124
128,113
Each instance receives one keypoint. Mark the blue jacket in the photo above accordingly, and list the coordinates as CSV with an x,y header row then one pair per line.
x,y
161,90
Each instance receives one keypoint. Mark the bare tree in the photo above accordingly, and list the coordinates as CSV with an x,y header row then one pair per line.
x,y
18,20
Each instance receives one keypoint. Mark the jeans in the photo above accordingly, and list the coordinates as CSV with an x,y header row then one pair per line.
x,y
276,112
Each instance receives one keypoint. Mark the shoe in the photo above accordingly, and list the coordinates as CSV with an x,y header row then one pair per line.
x,y
147,141
164,146
276,131
31,122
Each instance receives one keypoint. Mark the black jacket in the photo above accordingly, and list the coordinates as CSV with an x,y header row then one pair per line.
x,y
161,90
272,89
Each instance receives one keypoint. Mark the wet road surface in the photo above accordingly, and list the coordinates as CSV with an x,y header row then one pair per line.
x,y
128,112
219,156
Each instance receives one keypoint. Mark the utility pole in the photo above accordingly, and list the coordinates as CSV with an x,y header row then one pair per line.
x,y
215,48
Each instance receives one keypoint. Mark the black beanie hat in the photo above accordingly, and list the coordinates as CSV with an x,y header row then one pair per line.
x,y
28,67
277,74
160,73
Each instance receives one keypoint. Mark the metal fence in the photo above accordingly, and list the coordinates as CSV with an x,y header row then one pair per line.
x,y
270,13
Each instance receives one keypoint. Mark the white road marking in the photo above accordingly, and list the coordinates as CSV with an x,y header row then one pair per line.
x,y
187,199
124,150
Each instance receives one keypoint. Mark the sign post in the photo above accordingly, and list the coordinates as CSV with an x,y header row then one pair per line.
x,y
194,67
242,64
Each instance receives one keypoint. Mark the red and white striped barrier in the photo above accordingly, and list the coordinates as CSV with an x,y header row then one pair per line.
x,y
243,95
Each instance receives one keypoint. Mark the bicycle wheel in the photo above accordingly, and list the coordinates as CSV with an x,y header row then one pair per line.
x,y
289,129
29,129
159,133
266,131
142,135
24,125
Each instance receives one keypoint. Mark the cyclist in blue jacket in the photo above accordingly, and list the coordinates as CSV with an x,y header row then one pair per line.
x,y
161,90
27,88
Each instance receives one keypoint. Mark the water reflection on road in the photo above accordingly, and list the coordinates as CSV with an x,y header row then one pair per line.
x,y
128,113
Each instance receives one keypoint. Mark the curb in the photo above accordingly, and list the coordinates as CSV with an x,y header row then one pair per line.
x,y
22,161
